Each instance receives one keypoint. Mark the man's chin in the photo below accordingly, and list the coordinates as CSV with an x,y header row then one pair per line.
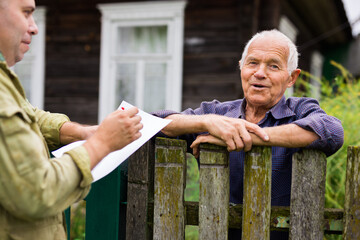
x,y
19,58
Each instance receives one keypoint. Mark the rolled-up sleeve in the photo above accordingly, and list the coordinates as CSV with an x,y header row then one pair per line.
x,y
164,113
50,124
328,128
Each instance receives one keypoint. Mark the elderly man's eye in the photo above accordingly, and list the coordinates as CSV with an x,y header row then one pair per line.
x,y
274,66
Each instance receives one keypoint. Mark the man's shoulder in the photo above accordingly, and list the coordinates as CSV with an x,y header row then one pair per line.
x,y
8,102
302,106
297,101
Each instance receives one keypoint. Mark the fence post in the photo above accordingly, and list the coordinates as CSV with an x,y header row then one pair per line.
x,y
352,195
257,194
140,192
170,180
307,195
214,192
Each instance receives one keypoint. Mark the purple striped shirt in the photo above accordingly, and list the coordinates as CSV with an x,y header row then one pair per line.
x,y
304,112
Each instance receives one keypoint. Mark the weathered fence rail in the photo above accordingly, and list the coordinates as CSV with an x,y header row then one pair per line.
x,y
167,213
155,206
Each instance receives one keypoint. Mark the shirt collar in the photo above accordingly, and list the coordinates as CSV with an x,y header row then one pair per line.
x,y
279,111
242,109
2,59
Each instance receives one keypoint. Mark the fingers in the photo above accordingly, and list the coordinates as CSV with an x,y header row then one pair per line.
x,y
238,138
206,138
260,132
236,133
131,111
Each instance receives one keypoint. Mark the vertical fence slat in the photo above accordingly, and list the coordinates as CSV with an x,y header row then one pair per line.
x,y
140,192
352,195
169,186
214,192
257,194
307,195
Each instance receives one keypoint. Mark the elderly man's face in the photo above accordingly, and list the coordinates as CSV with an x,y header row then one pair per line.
x,y
16,28
264,74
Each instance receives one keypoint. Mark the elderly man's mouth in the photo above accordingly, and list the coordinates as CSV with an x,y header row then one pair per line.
x,y
258,86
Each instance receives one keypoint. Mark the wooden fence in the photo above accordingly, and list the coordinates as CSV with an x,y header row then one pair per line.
x,y
155,207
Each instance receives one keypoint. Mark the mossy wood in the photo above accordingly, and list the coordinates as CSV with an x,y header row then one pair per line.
x,y
257,194
214,192
280,217
352,195
307,195
170,181
140,193
166,212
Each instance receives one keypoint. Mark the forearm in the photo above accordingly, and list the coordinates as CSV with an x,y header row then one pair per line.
x,y
289,135
71,132
184,124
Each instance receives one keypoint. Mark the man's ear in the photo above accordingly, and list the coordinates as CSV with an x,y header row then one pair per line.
x,y
293,77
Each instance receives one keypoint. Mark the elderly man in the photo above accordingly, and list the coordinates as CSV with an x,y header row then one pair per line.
x,y
34,189
264,117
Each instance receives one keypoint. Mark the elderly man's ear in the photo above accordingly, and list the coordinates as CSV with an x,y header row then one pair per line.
x,y
293,77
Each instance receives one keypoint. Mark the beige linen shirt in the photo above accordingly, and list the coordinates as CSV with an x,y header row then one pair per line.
x,y
34,188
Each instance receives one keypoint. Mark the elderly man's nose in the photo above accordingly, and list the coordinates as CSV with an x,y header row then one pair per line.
x,y
260,72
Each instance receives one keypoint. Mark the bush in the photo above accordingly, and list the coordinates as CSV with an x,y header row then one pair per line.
x,y
339,98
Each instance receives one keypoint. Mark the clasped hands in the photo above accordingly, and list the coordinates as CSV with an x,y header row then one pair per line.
x,y
234,133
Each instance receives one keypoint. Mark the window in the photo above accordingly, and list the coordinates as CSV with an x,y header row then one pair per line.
x,y
289,29
31,69
317,61
141,55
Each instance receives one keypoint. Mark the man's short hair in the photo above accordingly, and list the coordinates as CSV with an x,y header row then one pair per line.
x,y
292,62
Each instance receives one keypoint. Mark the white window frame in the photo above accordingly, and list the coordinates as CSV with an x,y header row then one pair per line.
x,y
289,29
37,59
316,66
159,13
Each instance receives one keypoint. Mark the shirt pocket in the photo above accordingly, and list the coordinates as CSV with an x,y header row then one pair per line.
x,y
24,113
20,139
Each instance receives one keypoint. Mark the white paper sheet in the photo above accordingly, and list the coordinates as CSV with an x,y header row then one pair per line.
x,y
151,125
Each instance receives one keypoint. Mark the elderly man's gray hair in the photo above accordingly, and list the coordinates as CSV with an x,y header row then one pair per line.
x,y
292,62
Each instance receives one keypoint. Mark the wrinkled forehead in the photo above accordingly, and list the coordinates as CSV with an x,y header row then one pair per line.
x,y
270,44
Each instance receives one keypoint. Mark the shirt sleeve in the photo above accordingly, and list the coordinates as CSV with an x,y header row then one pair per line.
x,y
50,124
329,129
204,108
213,107
32,186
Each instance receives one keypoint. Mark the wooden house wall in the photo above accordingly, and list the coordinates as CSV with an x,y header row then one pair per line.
x,y
72,58
214,36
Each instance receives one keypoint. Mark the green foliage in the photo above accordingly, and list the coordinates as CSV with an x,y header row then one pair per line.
x,y
339,98
78,212
192,192
192,179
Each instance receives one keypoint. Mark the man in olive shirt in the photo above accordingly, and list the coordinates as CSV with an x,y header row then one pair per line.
x,y
34,189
